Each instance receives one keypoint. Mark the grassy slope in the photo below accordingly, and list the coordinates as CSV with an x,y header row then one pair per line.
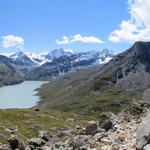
x,y
74,92
27,122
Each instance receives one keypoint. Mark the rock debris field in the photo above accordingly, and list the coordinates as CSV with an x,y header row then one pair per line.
x,y
127,130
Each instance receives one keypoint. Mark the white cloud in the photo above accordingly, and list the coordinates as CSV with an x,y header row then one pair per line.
x,y
137,28
79,38
12,41
65,40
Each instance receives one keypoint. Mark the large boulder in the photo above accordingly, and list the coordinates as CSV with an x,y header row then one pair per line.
x,y
16,142
107,125
91,128
143,133
106,116
106,120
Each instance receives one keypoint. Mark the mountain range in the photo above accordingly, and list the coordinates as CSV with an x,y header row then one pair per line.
x,y
48,65
39,58
108,87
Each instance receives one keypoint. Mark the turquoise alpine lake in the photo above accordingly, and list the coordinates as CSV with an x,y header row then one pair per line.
x,y
21,95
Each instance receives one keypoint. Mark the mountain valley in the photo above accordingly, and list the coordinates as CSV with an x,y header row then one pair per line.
x,y
106,88
109,87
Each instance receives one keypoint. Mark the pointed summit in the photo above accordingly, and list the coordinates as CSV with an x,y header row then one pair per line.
x,y
22,59
58,53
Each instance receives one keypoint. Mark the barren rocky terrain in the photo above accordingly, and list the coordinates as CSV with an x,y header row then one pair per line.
x,y
122,131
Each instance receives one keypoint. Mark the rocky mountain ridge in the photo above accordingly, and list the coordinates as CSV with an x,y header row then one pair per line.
x,y
128,70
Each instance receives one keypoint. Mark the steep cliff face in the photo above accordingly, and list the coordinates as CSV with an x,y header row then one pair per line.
x,y
128,70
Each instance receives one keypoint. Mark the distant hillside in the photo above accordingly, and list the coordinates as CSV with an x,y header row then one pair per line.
x,y
8,74
74,92
102,88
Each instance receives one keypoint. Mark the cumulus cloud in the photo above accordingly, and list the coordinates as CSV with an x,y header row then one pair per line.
x,y
79,38
12,41
65,40
137,28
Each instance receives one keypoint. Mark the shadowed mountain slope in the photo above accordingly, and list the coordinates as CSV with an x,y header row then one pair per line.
x,y
8,74
102,88
58,67
128,70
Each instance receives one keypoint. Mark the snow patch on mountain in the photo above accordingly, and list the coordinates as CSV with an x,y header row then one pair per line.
x,y
40,58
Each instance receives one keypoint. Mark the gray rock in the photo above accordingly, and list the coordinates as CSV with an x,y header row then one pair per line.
x,y
32,147
45,135
143,133
28,148
5,147
58,145
97,136
105,116
91,128
117,127
78,142
78,127
79,132
48,148
63,134
83,147
147,147
107,125
36,142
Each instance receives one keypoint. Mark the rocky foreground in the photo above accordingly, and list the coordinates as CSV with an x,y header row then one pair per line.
x,y
128,130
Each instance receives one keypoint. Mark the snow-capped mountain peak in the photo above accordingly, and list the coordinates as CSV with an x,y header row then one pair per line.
x,y
58,53
17,54
69,51
39,58
22,59
105,55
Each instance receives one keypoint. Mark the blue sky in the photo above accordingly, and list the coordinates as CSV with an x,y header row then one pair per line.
x,y
39,23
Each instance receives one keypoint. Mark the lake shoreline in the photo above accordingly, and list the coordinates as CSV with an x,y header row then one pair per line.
x,y
21,95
